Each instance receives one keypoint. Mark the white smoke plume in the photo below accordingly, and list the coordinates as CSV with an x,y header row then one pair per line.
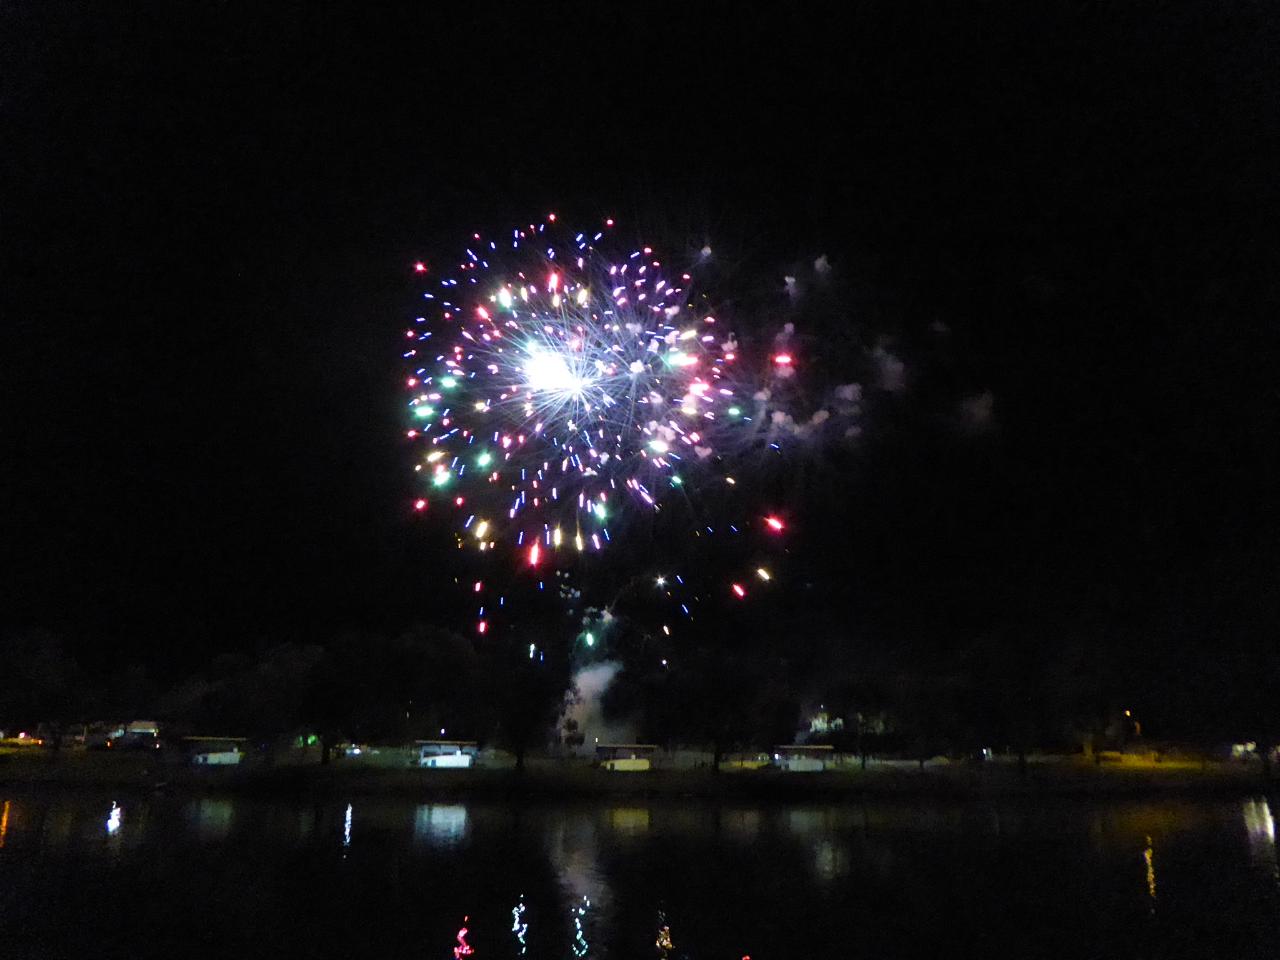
x,y
586,706
978,412
893,372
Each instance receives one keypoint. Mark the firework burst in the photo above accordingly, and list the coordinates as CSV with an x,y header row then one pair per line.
x,y
559,390
549,393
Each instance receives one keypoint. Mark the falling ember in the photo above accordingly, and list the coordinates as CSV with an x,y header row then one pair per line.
x,y
738,589
774,524
419,267
783,359
419,504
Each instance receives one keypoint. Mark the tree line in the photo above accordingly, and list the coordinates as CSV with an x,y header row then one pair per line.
x,y
735,688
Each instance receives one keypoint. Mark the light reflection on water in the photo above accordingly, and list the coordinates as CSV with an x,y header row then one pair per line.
x,y
629,820
580,945
212,818
520,926
1155,879
306,823
1261,828
573,845
1260,825
440,824
741,825
1149,858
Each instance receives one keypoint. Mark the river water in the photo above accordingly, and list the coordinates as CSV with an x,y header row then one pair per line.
x,y
105,877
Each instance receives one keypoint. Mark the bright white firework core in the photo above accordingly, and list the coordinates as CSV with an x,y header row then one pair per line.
x,y
549,372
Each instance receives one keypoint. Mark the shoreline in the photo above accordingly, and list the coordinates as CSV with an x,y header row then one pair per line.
x,y
551,782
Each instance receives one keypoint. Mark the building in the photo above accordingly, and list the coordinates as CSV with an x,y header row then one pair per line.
x,y
446,754
625,756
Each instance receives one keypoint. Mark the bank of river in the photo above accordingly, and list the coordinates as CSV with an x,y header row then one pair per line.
x,y
550,780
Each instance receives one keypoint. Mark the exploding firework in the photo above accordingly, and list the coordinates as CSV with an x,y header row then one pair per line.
x,y
558,390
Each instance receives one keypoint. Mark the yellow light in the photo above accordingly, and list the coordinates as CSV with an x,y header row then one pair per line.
x,y
481,528
555,537
763,574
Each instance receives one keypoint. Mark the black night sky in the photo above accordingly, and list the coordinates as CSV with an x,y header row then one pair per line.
x,y
209,211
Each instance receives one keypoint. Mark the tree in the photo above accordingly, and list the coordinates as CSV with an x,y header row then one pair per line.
x,y
272,693
40,683
127,692
524,688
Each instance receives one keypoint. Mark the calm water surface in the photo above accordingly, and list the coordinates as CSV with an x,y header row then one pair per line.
x,y
104,877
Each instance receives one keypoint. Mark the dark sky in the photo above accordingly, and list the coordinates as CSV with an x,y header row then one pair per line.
x,y
208,209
